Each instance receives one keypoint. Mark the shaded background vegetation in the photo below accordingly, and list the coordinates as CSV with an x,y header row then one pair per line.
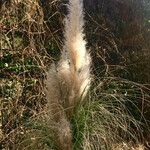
x,y
31,37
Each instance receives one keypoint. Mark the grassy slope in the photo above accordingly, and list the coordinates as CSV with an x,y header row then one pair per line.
x,y
113,115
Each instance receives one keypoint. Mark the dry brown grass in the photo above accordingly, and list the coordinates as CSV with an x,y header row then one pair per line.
x,y
30,39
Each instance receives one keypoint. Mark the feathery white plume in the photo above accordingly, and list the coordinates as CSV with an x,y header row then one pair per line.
x,y
69,81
